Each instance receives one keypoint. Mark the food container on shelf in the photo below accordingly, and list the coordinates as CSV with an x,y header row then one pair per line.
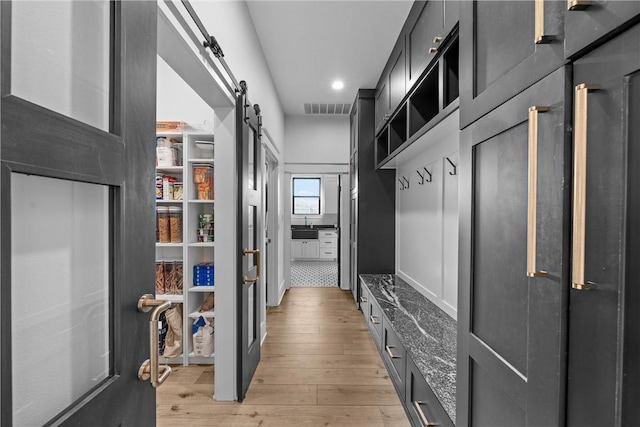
x,y
175,224
178,191
203,181
164,233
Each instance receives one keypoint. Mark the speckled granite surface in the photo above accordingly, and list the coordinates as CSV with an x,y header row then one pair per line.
x,y
427,332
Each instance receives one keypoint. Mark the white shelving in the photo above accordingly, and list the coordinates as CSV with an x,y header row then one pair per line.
x,y
190,252
206,314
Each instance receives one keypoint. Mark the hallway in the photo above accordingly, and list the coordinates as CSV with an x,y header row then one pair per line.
x,y
319,367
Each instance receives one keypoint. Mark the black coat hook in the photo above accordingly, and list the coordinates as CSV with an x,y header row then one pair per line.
x,y
422,176
455,168
401,184
407,181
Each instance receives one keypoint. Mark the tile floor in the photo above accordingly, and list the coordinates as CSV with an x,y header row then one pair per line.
x,y
314,274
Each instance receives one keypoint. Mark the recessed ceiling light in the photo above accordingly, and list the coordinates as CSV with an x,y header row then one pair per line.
x,y
337,85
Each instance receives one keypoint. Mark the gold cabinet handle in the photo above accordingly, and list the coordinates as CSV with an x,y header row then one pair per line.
x,y
540,37
533,191
437,39
580,185
578,4
149,370
386,116
433,49
390,353
363,298
425,421
374,320
256,253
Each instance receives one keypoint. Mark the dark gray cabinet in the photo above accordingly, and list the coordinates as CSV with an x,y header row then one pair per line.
x,y
372,218
422,405
513,231
394,356
427,28
604,331
391,87
499,52
590,24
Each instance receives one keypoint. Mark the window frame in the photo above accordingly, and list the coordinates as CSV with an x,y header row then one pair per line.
x,y
294,197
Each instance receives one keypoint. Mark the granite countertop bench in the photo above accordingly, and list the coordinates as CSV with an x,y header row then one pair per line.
x,y
427,332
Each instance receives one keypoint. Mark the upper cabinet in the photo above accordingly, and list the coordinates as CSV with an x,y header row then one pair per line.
x,y
426,30
588,21
392,84
505,47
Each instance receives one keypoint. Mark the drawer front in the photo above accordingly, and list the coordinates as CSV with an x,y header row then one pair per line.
x,y
328,253
328,242
395,355
322,234
364,301
422,404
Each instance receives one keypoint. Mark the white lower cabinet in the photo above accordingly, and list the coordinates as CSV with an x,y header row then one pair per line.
x,y
305,249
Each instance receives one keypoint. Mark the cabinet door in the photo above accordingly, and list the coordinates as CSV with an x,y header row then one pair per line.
x,y
397,76
584,26
511,315
311,249
296,250
423,406
331,194
499,56
382,102
603,348
420,38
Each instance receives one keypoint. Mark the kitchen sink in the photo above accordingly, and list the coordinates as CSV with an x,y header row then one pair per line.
x,y
304,233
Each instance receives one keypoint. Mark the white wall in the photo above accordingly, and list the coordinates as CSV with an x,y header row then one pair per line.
x,y
317,139
231,24
427,224
176,100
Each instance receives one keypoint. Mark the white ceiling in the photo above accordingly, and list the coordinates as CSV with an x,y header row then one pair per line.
x,y
309,44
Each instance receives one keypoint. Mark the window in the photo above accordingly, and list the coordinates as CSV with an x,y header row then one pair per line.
x,y
306,196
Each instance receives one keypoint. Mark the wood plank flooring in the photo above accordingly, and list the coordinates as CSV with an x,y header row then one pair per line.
x,y
319,367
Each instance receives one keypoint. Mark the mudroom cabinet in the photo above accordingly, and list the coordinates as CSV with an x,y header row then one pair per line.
x,y
604,326
505,47
514,215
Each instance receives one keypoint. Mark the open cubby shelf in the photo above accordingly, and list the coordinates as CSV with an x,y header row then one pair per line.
x,y
432,99
398,129
425,102
382,146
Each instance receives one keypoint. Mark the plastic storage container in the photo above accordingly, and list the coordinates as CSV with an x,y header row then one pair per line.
x,y
175,224
164,233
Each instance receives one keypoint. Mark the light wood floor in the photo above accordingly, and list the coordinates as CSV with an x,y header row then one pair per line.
x,y
319,367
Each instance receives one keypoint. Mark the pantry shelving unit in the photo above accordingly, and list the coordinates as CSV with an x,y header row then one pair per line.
x,y
197,149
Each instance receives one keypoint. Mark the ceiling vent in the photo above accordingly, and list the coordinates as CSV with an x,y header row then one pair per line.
x,y
316,108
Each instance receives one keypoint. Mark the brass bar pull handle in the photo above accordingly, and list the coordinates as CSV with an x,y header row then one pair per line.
x,y
533,191
390,353
425,421
149,370
433,49
256,253
580,185
363,299
374,320
578,4
540,36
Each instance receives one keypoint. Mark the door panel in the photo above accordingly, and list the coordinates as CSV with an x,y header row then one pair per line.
x,y
585,27
250,239
111,155
597,330
511,324
499,55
